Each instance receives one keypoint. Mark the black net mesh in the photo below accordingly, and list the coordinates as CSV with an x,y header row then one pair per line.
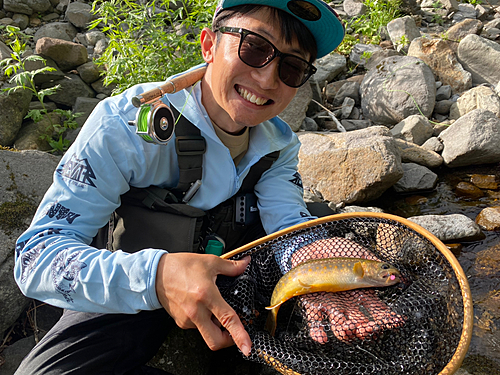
x,y
413,327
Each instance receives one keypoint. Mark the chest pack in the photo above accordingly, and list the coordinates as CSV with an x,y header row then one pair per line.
x,y
156,217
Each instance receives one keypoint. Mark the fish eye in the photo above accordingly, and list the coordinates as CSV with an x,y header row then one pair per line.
x,y
385,266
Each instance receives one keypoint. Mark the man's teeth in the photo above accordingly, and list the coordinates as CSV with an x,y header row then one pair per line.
x,y
251,97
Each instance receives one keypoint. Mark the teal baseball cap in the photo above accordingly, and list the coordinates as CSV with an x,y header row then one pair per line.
x,y
321,20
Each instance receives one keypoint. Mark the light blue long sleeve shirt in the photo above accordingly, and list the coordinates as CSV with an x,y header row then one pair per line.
x,y
54,262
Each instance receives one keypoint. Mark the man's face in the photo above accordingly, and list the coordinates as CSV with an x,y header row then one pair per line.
x,y
236,95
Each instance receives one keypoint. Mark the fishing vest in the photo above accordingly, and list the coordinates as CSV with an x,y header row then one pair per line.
x,y
155,217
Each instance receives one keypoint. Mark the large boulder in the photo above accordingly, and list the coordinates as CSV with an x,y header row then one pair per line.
x,y
13,107
22,186
442,60
400,86
472,140
480,56
350,167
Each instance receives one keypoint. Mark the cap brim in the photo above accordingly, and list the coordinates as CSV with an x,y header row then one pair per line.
x,y
327,29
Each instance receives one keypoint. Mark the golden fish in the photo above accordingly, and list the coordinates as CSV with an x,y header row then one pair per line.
x,y
329,275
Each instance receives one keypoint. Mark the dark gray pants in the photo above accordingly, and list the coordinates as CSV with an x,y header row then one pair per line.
x,y
92,344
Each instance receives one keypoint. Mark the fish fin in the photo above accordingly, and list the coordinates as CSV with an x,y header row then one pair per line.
x,y
305,286
358,270
271,321
272,307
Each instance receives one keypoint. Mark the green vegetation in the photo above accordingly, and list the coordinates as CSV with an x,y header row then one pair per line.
x,y
143,43
367,27
15,68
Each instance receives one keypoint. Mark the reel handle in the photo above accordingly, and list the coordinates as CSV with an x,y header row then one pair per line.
x,y
169,87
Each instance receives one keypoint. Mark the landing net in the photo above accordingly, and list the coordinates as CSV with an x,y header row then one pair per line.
x,y
421,325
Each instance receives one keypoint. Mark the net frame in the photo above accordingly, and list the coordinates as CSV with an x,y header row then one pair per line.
x,y
468,317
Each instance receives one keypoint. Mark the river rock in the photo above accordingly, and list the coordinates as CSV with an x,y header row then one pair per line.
x,y
354,8
416,129
21,189
489,218
483,97
442,60
13,108
416,178
348,89
57,30
384,90
468,189
71,88
32,135
329,67
4,51
79,14
484,181
460,30
471,140
402,31
454,227
47,76
480,56
67,55
412,153
350,167
433,144
295,113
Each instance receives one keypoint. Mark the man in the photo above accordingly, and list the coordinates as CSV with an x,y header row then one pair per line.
x,y
258,53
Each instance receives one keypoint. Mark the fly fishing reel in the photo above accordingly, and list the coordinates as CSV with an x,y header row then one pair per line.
x,y
155,122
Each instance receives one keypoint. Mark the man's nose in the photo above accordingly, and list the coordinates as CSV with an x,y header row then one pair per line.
x,y
268,76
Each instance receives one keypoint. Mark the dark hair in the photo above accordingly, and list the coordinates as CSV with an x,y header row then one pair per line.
x,y
290,26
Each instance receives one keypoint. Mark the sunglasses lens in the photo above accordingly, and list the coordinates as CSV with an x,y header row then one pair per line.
x,y
255,51
294,71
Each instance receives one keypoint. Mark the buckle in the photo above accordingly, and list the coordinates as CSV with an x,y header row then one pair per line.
x,y
189,145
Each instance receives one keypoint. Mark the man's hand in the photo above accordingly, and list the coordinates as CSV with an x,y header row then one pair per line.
x,y
185,285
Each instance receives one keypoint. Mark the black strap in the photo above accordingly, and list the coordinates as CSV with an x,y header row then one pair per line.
x,y
190,147
256,172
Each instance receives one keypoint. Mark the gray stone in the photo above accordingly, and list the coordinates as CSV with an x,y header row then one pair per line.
x,y
23,186
460,30
416,178
369,158
402,31
378,56
454,227
416,129
17,6
354,8
295,113
15,353
348,89
47,76
329,67
412,153
5,51
32,135
443,93
480,57
22,20
361,53
309,125
442,107
85,106
89,72
71,88
433,144
79,14
472,140
13,107
482,97
57,30
350,125
385,90
464,11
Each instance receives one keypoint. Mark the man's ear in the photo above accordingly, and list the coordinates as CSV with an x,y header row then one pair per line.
x,y
208,40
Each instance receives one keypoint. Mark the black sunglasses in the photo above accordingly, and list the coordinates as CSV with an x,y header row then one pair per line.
x,y
256,51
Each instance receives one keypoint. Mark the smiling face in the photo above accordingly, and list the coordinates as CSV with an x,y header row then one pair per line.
x,y
234,94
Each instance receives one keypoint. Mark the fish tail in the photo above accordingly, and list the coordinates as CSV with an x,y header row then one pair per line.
x,y
271,321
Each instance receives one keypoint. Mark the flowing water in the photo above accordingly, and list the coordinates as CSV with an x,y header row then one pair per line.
x,y
480,259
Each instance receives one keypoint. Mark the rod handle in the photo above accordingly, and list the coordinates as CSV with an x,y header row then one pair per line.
x,y
175,84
